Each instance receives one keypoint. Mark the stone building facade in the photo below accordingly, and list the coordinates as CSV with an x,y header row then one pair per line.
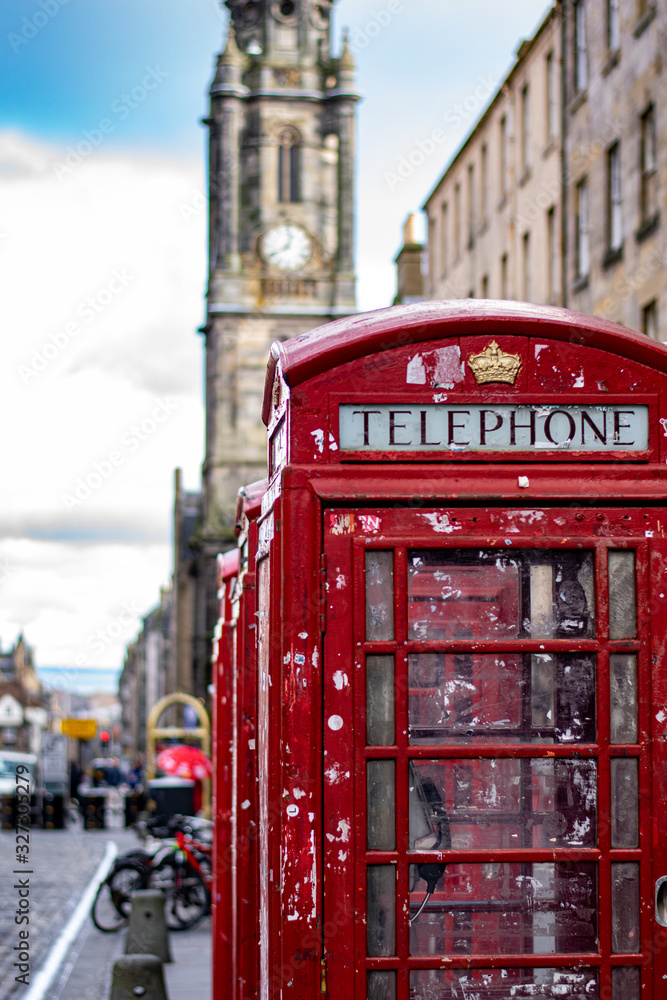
x,y
616,136
23,703
494,217
148,673
282,209
282,157
556,196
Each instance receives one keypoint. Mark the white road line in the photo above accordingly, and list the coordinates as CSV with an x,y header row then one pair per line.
x,y
47,973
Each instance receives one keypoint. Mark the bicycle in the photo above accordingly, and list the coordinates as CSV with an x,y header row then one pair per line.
x,y
113,900
181,878
175,870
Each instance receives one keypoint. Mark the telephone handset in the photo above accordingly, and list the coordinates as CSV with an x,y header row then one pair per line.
x,y
429,830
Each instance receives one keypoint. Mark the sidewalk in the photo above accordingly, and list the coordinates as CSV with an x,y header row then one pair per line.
x,y
189,975
87,972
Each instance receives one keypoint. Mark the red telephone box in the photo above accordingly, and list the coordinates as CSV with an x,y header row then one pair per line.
x,y
235,903
224,648
461,707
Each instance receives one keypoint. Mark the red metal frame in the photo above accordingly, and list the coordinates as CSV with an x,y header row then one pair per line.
x,y
311,853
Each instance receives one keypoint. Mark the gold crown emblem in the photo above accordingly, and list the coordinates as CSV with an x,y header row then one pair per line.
x,y
495,365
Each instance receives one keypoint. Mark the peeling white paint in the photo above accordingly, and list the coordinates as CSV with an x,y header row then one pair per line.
x,y
245,804
311,817
341,582
441,523
298,793
303,635
416,371
530,516
440,397
344,828
316,658
334,774
342,855
524,482
663,421
287,657
579,381
661,716
333,444
539,348
340,680
449,368
313,880
342,524
319,439
251,744
299,659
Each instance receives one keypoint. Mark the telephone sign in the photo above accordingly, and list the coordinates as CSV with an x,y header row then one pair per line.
x,y
440,427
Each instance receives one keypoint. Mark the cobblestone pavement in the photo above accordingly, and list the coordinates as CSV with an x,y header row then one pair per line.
x,y
62,863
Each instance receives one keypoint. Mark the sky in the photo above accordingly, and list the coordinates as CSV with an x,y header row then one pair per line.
x,y
103,271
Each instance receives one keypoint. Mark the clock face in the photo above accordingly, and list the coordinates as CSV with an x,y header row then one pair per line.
x,y
287,247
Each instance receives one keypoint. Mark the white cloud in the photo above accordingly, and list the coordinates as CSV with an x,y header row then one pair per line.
x,y
103,277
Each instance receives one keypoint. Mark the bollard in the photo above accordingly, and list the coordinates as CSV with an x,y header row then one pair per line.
x,y
138,976
147,933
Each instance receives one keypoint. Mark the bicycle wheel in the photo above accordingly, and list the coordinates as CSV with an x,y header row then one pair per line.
x,y
187,898
205,862
113,900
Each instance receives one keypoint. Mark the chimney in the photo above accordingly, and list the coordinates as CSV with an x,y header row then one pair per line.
x,y
409,277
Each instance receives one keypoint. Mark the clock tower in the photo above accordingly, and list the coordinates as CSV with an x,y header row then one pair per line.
x,y
281,231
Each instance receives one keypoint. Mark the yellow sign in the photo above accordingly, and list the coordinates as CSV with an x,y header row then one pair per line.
x,y
79,729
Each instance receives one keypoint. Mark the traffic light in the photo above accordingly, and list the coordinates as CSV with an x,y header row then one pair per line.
x,y
104,737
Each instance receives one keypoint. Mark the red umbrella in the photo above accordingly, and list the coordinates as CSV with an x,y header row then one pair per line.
x,y
185,762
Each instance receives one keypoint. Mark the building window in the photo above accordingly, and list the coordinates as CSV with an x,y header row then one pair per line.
x,y
580,48
525,128
527,273
583,247
485,182
650,319
485,286
614,199
471,205
649,167
457,221
552,243
552,97
504,277
504,157
614,25
444,237
289,166
432,230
